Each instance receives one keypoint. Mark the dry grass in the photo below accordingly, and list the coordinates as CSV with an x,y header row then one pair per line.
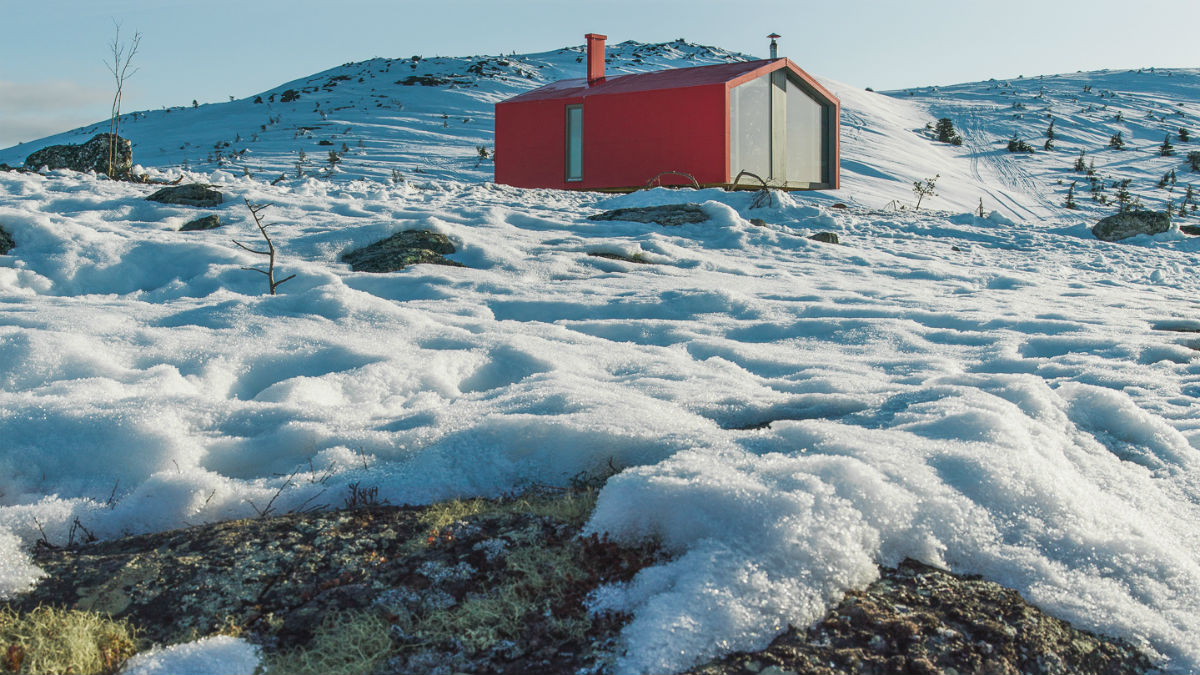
x,y
49,640
346,643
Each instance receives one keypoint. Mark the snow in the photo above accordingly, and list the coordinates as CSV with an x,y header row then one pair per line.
x,y
17,573
1000,395
220,654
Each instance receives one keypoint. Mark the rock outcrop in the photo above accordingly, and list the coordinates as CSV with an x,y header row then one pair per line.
x,y
926,621
6,242
825,237
1132,223
411,247
211,222
90,156
667,215
501,586
192,194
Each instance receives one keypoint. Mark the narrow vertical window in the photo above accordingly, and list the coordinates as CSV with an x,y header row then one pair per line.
x,y
574,142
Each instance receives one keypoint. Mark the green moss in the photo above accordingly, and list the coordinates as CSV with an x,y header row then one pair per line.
x,y
532,589
573,507
49,640
346,643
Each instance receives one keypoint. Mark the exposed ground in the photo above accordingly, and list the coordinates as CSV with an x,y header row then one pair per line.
x,y
499,586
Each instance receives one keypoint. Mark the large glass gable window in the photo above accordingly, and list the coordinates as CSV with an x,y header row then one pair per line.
x,y
574,142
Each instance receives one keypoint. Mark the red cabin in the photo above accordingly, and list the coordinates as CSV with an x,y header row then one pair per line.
x,y
768,118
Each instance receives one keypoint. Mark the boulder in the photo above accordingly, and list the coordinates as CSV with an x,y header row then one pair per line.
x,y
826,237
636,258
1132,223
668,215
192,194
90,156
206,223
1192,230
400,250
6,242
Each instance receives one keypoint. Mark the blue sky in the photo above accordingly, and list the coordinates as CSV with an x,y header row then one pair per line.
x,y
53,77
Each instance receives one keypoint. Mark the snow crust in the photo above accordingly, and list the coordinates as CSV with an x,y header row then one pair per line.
x,y
17,573
1001,395
219,654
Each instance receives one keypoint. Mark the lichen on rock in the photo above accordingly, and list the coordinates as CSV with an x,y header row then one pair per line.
x,y
411,247
191,194
90,156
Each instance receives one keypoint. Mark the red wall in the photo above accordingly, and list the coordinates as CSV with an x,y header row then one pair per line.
x,y
627,139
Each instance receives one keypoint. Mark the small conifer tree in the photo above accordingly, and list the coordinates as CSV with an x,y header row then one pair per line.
x,y
1184,136
1193,158
1124,198
1080,165
924,189
1050,130
1048,145
1015,144
1117,141
1071,197
946,133
1166,149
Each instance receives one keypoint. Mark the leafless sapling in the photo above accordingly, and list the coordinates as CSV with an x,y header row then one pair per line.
x,y
255,210
122,56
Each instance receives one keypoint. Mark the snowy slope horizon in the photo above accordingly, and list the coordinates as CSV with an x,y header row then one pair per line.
x,y
1001,395
426,118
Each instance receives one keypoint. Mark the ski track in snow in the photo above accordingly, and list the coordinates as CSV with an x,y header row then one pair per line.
x,y
1004,396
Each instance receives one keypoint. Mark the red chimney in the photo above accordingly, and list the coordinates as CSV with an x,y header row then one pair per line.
x,y
595,57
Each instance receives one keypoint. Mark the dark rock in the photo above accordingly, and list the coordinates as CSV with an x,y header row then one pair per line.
x,y
758,222
1193,230
1132,223
89,156
668,215
288,96
400,250
636,259
6,242
206,223
826,237
839,205
430,81
192,194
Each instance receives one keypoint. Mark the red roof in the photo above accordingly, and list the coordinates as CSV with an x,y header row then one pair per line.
x,y
673,78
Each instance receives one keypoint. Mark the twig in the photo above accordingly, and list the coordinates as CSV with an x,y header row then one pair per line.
x,y
266,510
44,542
658,179
256,209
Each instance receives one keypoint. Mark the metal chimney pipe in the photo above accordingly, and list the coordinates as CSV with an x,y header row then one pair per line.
x,y
595,57
774,45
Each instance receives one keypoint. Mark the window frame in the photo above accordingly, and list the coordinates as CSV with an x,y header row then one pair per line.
x,y
568,176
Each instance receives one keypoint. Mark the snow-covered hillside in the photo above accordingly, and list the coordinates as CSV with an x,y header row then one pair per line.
x,y
1005,395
